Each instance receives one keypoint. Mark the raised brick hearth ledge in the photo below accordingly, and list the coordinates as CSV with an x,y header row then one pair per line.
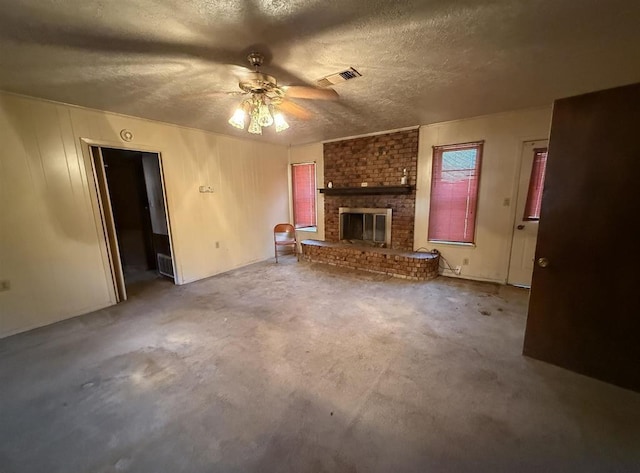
x,y
402,264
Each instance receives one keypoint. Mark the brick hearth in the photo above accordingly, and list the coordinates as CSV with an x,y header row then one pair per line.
x,y
401,264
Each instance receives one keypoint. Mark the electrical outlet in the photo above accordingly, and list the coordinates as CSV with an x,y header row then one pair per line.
x,y
458,269
465,261
205,189
5,285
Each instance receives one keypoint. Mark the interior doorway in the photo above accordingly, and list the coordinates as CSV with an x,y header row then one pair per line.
x,y
525,232
134,215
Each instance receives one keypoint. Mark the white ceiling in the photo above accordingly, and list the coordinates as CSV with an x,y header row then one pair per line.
x,y
422,61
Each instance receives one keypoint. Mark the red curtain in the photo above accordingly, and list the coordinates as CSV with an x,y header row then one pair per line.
x,y
454,192
303,178
536,184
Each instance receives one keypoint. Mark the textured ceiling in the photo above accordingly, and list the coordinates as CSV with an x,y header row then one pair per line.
x,y
422,61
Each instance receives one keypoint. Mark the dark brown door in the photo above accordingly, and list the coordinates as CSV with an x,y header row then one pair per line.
x,y
584,311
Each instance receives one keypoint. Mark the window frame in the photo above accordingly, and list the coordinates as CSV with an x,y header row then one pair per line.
x,y
437,153
307,228
528,201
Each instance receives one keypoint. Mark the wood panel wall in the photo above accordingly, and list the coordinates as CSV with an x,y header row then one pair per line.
x,y
51,248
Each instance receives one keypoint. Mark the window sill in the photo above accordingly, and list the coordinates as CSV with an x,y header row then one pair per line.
x,y
454,243
307,229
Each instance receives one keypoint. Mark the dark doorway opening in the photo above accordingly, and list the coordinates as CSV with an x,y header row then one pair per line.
x,y
137,206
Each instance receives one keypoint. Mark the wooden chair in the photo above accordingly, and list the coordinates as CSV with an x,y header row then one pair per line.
x,y
285,234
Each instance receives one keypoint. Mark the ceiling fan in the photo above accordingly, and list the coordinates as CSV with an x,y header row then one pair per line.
x,y
266,100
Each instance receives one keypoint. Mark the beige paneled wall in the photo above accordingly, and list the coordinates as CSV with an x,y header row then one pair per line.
x,y
504,135
52,249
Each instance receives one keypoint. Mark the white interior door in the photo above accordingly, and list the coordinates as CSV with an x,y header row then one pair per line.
x,y
108,224
525,232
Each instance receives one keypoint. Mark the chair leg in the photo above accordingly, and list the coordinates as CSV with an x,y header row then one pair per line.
x,y
275,247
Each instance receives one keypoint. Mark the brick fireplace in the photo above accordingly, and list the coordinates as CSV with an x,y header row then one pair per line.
x,y
378,161
366,176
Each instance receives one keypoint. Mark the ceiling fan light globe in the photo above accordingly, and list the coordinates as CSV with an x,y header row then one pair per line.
x,y
264,116
281,123
254,126
237,119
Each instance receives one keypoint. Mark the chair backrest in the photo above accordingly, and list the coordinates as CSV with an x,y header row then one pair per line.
x,y
284,231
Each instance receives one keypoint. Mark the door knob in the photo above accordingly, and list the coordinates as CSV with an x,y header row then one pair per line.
x,y
520,227
543,262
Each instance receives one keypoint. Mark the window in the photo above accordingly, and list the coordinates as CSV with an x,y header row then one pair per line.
x,y
303,184
454,192
536,184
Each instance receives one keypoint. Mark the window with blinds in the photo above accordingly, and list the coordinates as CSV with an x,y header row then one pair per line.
x,y
536,184
454,192
303,183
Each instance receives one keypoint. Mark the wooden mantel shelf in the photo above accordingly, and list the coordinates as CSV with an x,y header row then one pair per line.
x,y
367,190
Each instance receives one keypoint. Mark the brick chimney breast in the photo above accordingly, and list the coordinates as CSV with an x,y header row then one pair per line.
x,y
378,161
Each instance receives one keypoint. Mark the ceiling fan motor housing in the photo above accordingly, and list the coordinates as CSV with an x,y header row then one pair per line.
x,y
259,83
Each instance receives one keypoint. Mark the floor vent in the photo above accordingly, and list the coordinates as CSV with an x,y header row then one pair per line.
x,y
338,77
165,265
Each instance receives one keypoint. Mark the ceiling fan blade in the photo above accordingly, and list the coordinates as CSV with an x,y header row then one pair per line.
x,y
94,38
314,93
294,109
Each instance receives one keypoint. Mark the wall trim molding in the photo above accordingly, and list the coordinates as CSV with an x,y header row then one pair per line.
x,y
374,133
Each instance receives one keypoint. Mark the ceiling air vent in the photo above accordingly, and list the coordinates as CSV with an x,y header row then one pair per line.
x,y
338,77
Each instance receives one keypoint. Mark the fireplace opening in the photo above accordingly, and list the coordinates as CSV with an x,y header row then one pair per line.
x,y
366,226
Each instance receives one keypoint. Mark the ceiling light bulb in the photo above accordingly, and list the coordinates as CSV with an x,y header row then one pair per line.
x,y
254,126
281,123
237,120
264,116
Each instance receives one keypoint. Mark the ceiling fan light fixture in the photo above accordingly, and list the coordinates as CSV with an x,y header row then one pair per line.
x,y
281,123
263,98
237,119
264,115
254,126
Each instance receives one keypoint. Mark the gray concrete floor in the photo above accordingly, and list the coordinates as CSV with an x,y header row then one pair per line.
x,y
304,368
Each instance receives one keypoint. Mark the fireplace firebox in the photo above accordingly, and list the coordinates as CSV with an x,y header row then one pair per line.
x,y
367,226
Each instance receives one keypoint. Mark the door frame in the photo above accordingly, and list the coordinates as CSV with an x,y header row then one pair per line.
x,y
105,227
514,199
